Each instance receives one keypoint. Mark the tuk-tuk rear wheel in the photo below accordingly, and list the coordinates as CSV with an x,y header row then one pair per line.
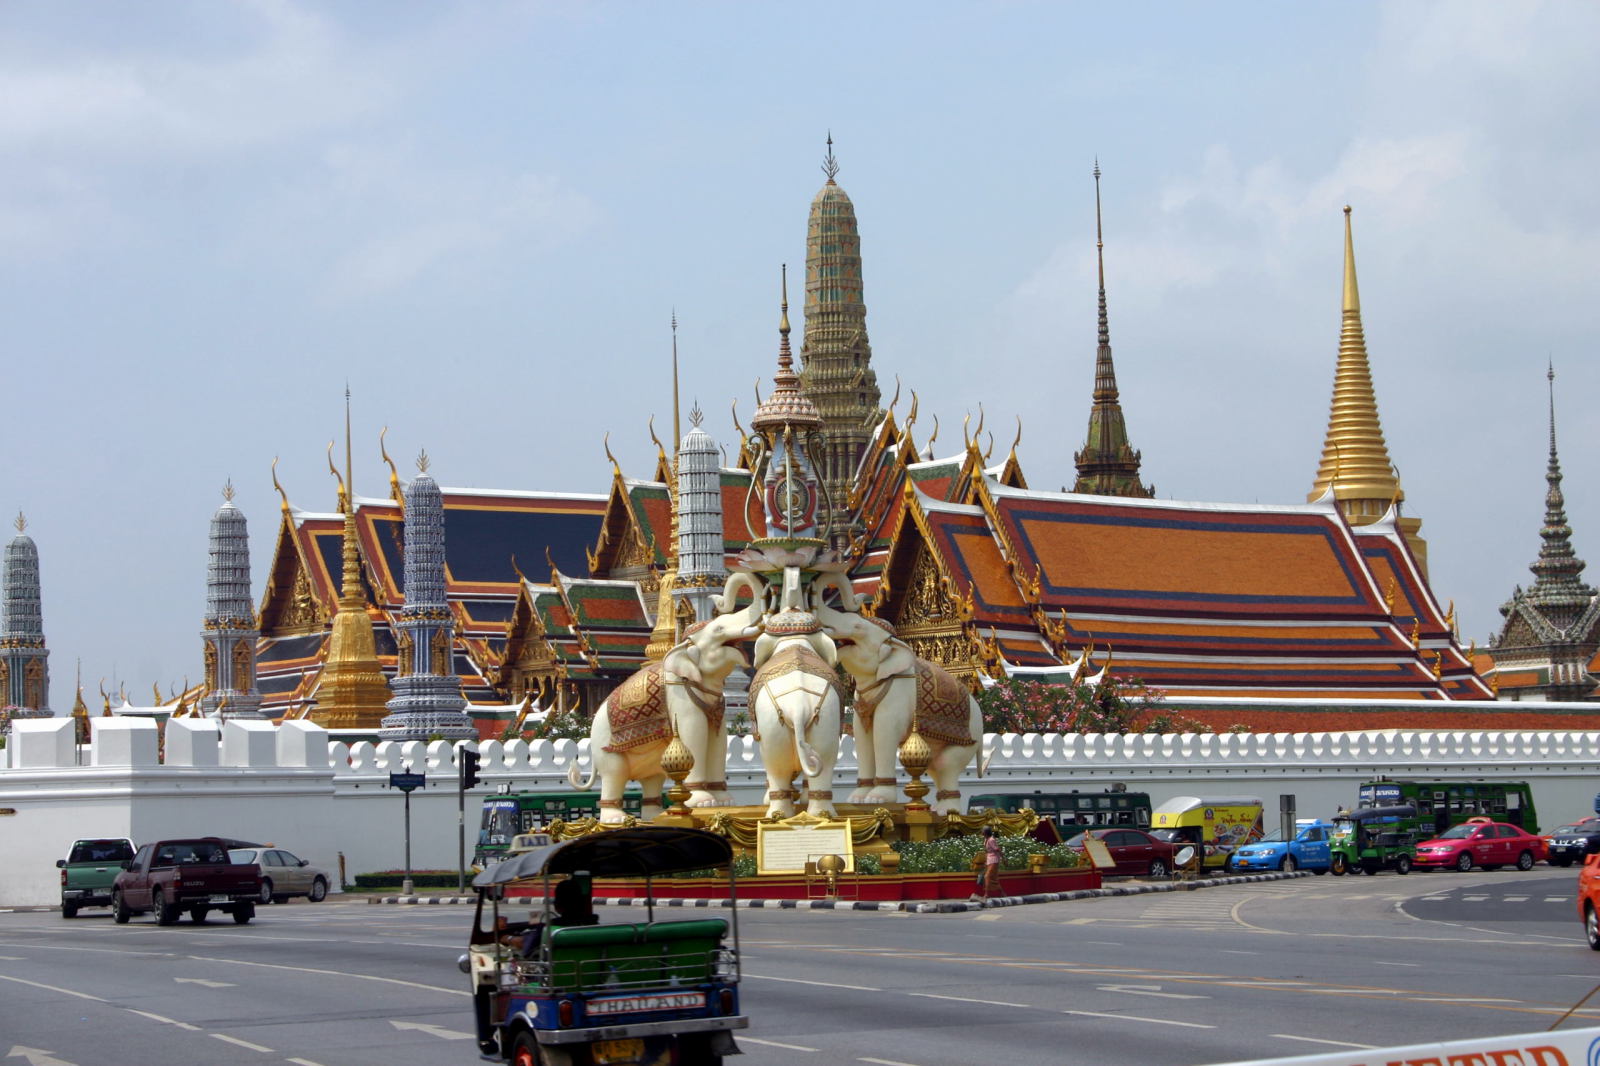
x,y
525,1050
1402,865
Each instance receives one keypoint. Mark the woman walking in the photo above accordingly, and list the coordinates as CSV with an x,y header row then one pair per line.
x,y
989,876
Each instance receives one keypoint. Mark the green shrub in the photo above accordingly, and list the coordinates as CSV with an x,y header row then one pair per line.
x,y
869,865
419,879
955,854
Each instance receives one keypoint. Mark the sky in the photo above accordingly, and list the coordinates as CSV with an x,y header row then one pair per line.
x,y
483,215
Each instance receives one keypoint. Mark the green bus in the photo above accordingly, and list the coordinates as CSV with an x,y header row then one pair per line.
x,y
1442,804
509,813
1073,811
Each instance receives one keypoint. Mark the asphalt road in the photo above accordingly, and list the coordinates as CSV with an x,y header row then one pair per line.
x,y
1219,975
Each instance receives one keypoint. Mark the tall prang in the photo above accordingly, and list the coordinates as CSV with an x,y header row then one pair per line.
x,y
835,355
1552,630
702,557
1355,460
352,692
1107,465
427,698
24,660
230,625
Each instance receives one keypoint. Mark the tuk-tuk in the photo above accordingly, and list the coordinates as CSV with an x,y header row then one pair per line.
x,y
565,989
1373,838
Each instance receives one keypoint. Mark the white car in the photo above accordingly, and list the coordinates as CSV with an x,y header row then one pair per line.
x,y
284,875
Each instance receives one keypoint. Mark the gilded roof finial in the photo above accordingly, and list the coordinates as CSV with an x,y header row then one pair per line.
x,y
1100,257
615,466
896,394
696,416
966,437
830,165
279,487
21,522
785,358
1018,439
1352,295
394,475
422,460
227,490
934,435
661,449
349,465
344,503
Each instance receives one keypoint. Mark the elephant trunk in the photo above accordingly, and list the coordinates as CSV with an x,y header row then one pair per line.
x,y
810,761
577,781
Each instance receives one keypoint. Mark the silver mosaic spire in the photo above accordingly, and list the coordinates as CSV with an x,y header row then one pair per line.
x,y
701,555
230,631
427,699
24,660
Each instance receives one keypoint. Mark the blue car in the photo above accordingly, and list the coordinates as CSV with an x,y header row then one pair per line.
x,y
1307,851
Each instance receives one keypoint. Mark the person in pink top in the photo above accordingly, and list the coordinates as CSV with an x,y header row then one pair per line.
x,y
989,876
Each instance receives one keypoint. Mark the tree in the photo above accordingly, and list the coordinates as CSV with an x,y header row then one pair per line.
x,y
1113,705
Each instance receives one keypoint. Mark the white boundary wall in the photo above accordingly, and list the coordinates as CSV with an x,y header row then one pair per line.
x,y
289,785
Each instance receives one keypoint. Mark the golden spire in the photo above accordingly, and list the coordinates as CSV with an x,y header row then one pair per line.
x,y
1355,460
677,427
395,492
352,693
21,522
664,635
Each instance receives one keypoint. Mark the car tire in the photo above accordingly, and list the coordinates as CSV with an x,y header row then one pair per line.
x,y
1157,871
243,912
1319,873
166,913
1370,869
119,909
1562,861
69,910
319,891
264,896
1288,865
1591,926
1402,865
525,1050
1464,862
1339,866
1525,861
199,914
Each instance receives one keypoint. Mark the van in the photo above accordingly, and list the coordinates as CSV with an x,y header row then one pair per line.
x,y
1216,825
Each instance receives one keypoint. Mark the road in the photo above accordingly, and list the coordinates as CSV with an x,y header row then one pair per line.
x,y
1219,975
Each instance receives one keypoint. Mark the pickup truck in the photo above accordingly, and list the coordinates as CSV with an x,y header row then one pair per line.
x,y
173,876
88,871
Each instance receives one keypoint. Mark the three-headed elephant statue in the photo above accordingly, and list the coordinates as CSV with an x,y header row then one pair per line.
x,y
681,694
893,688
798,711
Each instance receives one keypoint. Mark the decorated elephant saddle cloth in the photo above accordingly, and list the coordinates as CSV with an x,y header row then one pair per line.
x,y
795,658
943,706
638,711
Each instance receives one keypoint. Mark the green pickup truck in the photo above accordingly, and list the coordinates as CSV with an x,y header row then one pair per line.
x,y
88,871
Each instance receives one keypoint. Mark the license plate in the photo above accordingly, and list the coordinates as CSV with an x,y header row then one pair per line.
x,y
608,1051
220,899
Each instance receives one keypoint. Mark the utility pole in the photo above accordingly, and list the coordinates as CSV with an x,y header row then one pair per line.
x,y
468,778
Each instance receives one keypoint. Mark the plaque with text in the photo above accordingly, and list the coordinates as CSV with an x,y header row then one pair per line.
x,y
1099,855
786,847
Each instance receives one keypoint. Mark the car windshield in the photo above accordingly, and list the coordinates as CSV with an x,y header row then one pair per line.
x,y
1458,832
101,851
1586,826
241,856
1274,837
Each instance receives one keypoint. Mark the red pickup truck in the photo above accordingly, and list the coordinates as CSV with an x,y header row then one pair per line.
x,y
173,876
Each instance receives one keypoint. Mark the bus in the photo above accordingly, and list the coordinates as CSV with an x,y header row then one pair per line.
x,y
1442,804
1073,811
509,813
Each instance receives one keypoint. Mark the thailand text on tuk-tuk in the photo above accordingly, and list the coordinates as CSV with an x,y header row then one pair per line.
x,y
561,988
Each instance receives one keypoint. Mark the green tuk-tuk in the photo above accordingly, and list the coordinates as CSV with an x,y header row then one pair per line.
x,y
1372,839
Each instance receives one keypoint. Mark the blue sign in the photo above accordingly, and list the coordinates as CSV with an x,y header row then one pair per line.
x,y
1597,805
407,782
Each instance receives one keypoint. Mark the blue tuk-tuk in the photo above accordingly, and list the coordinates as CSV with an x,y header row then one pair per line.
x,y
560,989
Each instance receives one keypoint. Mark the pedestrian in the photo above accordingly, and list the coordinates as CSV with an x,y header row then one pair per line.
x,y
989,875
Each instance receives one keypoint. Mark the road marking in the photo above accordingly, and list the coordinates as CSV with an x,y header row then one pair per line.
x,y
54,988
432,1030
1133,1018
163,1019
242,1043
1147,990
1516,899
1228,951
36,1057
203,982
1395,964
1104,943
303,1062
1331,1043
820,984
1462,999
774,1043
1474,899
888,1062
1557,899
966,999
342,973
12,958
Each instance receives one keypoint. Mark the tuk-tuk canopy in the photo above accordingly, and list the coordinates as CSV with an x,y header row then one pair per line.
x,y
1377,814
638,851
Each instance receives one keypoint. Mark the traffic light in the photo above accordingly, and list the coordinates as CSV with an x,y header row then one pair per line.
x,y
469,768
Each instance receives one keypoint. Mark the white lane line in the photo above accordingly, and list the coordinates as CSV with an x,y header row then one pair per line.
x,y
243,1043
966,999
1515,899
303,1062
1474,899
888,1062
1557,899
1396,964
163,1019
352,976
1330,1043
1135,1018
1104,943
820,984
1462,999
766,1043
1227,951
54,988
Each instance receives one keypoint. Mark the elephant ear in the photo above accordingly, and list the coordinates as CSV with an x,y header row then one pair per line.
x,y
687,667
896,658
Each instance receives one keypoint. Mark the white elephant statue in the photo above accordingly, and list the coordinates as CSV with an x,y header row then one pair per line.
x,y
682,693
798,711
892,687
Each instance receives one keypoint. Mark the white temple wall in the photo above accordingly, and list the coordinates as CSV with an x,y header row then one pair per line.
x,y
291,786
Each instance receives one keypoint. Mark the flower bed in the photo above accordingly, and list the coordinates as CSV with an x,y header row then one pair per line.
x,y
879,888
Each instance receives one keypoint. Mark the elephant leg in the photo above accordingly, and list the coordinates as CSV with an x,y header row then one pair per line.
x,y
717,769
694,730
650,787
890,726
945,769
866,763
613,773
780,786
819,794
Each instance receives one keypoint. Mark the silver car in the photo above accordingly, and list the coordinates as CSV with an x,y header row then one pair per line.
x,y
284,875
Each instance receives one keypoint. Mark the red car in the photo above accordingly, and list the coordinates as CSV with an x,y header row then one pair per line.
x,y
1135,852
1589,897
1480,842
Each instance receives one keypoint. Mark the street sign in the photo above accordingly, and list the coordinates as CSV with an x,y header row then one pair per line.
x,y
407,782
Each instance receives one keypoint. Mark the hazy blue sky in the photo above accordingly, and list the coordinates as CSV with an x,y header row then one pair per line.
x,y
483,214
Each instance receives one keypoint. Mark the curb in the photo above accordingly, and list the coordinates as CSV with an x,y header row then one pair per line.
x,y
899,907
